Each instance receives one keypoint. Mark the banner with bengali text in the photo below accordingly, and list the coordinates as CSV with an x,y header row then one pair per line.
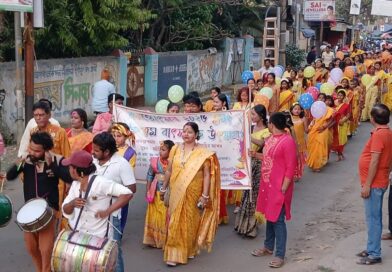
x,y
227,133
17,5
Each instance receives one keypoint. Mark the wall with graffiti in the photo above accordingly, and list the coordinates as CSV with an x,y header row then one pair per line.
x,y
66,82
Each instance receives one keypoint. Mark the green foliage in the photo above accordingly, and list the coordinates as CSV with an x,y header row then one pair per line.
x,y
294,56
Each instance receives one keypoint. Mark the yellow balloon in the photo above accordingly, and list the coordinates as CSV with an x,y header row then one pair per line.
x,y
366,79
327,88
309,72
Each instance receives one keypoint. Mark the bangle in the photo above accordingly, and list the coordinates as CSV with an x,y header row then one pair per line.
x,y
162,190
205,196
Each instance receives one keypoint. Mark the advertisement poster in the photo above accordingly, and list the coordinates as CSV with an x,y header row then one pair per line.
x,y
17,5
355,7
382,7
321,10
227,133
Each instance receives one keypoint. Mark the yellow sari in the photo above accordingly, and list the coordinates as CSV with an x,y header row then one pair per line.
x,y
318,142
387,97
321,76
209,106
370,98
286,99
189,229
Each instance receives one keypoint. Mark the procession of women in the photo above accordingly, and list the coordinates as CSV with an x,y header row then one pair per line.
x,y
297,118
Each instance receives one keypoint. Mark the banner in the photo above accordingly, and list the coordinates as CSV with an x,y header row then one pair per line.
x,y
355,7
17,5
382,7
226,132
321,10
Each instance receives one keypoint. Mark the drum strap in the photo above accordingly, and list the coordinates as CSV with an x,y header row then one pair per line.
x,y
90,184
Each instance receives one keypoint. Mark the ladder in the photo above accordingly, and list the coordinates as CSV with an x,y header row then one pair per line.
x,y
270,41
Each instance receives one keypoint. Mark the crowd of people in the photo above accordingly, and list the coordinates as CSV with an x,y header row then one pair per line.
x,y
86,173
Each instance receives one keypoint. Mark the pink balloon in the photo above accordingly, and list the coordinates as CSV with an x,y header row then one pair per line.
x,y
313,91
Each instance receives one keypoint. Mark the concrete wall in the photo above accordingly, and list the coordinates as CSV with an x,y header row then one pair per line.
x,y
66,82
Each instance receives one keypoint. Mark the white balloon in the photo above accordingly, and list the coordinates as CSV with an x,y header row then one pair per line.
x,y
318,109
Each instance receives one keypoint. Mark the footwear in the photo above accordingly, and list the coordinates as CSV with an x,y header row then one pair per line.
x,y
386,236
261,252
237,210
191,257
276,263
362,254
369,261
171,264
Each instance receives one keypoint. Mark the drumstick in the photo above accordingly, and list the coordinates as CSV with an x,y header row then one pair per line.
x,y
2,176
110,223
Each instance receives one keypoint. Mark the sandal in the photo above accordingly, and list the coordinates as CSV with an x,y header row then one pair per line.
x,y
362,254
369,261
261,252
171,264
386,236
276,263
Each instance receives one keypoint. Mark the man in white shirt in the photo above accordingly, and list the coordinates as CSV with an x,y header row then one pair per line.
x,y
97,205
113,167
327,56
25,140
267,68
101,91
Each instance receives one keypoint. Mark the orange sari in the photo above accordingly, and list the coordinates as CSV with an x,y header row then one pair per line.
x,y
321,76
82,141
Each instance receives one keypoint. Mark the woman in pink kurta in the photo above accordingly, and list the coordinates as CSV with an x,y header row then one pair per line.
x,y
276,187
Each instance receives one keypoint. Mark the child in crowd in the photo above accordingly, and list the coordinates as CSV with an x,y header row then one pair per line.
x,y
300,130
155,223
173,108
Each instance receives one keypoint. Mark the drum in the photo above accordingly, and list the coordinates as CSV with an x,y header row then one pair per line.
x,y
5,210
34,215
77,251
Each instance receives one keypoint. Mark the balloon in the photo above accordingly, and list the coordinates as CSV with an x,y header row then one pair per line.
x,y
256,75
278,71
318,85
261,99
366,79
349,72
246,75
327,88
267,91
336,74
309,72
340,55
318,109
161,106
306,101
330,81
175,93
313,91
277,81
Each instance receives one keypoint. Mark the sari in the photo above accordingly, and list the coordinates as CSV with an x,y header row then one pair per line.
x,y
321,76
355,109
300,139
279,162
340,130
82,141
286,99
387,97
190,229
274,101
209,106
245,221
155,228
297,89
318,142
370,98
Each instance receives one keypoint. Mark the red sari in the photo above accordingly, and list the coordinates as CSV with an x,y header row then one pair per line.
x,y
340,130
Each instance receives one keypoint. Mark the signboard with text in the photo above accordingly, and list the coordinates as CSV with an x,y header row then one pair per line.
x,y
17,5
225,132
172,70
319,10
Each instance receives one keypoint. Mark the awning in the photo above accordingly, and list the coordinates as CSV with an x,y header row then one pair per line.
x,y
308,33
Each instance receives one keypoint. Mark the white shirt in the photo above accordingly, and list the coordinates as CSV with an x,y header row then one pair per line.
x,y
327,58
25,140
101,91
264,70
116,169
98,199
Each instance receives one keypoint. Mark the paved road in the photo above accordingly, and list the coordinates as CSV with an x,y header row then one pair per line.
x,y
326,230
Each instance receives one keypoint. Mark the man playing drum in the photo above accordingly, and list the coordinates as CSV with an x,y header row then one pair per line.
x,y
41,170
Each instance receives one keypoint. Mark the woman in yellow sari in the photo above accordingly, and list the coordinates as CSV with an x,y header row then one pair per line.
x,y
318,141
388,95
286,96
193,177
321,75
372,93
79,137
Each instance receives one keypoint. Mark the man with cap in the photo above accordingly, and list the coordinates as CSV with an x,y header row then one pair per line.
x,y
97,205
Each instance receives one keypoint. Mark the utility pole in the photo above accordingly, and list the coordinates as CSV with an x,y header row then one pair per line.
x,y
283,28
29,65
18,83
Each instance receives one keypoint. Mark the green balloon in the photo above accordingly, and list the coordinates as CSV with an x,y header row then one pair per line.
x,y
175,93
161,106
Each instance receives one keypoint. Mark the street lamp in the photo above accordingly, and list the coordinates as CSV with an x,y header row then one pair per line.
x,y
2,97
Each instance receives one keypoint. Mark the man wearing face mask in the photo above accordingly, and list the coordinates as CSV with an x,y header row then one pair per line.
x,y
41,171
